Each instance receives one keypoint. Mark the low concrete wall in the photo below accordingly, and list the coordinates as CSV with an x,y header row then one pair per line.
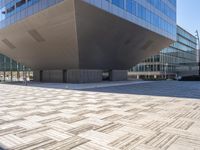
x,y
84,76
78,76
52,76
119,75
36,76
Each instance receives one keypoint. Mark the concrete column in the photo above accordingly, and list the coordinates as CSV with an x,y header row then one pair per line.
x,y
84,76
64,76
119,75
4,76
11,76
18,75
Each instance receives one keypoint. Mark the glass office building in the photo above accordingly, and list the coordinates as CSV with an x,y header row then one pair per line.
x,y
11,70
180,59
90,36
16,10
156,15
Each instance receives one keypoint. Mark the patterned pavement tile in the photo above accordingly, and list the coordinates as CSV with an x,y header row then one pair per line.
x,y
115,118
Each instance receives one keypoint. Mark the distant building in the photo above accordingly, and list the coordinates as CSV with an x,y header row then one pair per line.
x,y
179,59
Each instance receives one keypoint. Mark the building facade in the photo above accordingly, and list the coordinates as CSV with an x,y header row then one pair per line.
x,y
179,59
76,40
10,70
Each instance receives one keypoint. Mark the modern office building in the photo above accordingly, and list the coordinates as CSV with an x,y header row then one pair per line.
x,y
76,40
178,60
10,70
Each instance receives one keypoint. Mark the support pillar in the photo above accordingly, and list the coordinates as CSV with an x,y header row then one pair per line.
x,y
4,76
11,76
18,75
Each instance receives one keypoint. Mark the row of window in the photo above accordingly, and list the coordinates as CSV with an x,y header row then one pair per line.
x,y
186,42
167,63
164,8
155,58
8,64
171,56
186,35
14,7
167,68
178,56
22,9
154,68
183,47
143,13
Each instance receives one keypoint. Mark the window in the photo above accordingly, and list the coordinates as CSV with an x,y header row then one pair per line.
x,y
119,3
20,3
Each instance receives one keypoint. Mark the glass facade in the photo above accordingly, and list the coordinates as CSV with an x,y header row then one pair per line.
x,y
179,57
9,67
12,11
8,64
156,15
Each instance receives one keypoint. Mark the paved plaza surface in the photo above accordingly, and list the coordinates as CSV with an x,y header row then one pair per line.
x,y
147,116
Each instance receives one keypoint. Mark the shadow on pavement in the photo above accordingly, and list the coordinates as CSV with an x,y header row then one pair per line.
x,y
179,89
1,148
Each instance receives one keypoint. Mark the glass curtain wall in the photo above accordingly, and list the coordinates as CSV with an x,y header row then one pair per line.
x,y
12,11
11,70
178,58
156,15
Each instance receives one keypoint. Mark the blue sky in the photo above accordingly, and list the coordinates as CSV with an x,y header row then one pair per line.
x,y
188,15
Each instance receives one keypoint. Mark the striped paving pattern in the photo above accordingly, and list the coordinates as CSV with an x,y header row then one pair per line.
x,y
34,118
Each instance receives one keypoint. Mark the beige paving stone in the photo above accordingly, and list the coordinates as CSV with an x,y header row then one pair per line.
x,y
28,124
54,119
55,135
10,140
94,146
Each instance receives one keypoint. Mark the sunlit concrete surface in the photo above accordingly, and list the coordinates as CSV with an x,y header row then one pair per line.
x,y
146,116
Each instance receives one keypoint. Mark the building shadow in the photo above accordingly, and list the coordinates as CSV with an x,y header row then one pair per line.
x,y
1,148
181,89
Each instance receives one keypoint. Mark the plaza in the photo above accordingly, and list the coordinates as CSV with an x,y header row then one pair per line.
x,y
161,115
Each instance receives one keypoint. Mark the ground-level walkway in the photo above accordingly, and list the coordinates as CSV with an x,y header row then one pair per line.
x,y
130,117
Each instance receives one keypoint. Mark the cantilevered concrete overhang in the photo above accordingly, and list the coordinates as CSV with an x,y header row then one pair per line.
x,y
45,40
107,41
77,35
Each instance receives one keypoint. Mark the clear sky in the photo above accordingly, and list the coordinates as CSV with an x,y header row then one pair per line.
x,y
188,15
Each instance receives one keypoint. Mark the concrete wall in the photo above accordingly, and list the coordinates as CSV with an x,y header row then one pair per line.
x,y
118,75
36,76
84,76
69,76
52,76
